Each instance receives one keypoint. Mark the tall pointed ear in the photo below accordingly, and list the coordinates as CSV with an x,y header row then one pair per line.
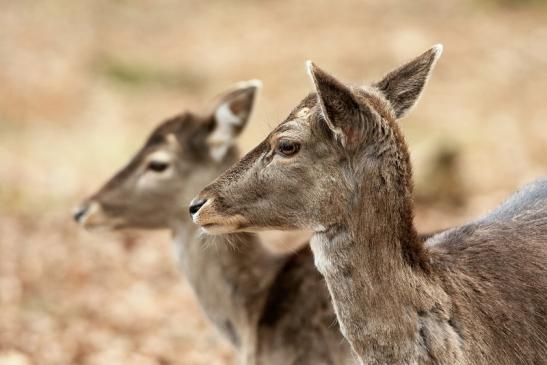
x,y
403,86
230,116
338,106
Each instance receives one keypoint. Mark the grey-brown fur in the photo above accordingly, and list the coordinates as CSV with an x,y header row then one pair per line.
x,y
273,309
473,295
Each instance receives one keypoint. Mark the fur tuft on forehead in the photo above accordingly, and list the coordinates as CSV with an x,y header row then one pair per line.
x,y
188,129
307,104
173,126
299,116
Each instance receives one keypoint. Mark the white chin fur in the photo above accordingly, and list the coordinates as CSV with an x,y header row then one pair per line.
x,y
218,229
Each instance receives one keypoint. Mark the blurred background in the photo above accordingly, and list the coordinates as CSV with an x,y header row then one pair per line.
x,y
83,82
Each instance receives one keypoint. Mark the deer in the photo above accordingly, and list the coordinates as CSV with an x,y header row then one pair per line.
x,y
339,165
272,308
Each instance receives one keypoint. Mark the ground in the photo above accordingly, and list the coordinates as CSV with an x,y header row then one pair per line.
x,y
82,83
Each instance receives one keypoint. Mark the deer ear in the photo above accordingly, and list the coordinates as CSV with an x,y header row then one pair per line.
x,y
230,117
403,86
338,105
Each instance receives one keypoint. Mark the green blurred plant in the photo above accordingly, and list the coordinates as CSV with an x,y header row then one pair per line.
x,y
136,74
517,3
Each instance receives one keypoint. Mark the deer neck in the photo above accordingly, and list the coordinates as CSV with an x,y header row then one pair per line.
x,y
230,275
377,273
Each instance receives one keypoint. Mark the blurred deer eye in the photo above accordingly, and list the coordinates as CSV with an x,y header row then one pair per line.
x,y
157,166
287,148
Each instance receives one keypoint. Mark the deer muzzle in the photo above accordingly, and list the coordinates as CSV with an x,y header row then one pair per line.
x,y
90,215
205,214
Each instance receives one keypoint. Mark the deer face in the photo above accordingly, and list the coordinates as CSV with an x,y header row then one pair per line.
x,y
305,174
179,156
278,184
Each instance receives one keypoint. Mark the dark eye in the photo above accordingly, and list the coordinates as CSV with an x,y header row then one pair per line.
x,y
157,166
287,148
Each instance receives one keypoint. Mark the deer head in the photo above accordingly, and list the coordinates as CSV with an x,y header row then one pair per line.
x,y
339,144
182,154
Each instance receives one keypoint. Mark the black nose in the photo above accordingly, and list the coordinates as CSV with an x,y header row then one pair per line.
x,y
195,205
79,213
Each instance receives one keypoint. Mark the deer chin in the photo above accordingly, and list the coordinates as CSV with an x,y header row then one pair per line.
x,y
214,228
105,226
223,225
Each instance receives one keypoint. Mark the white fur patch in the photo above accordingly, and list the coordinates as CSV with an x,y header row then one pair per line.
x,y
160,156
303,113
172,139
225,116
318,242
223,135
218,152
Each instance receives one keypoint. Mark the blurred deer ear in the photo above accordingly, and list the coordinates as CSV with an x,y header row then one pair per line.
x,y
403,86
338,106
230,117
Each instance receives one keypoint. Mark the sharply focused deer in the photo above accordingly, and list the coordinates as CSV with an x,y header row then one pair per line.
x,y
339,165
273,309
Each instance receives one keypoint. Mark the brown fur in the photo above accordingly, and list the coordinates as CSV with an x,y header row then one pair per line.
x,y
273,309
473,295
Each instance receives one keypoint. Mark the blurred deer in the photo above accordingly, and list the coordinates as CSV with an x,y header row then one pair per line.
x,y
273,309
339,165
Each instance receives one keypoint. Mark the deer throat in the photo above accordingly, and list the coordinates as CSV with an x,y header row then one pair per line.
x,y
230,276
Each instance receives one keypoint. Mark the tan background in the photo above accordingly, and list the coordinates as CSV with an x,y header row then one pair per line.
x,y
83,82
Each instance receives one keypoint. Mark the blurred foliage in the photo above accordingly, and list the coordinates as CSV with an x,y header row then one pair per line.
x,y
143,75
441,184
519,3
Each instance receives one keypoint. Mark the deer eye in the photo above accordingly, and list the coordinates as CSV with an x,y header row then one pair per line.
x,y
157,166
287,148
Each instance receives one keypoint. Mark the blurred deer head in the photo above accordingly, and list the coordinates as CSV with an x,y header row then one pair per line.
x,y
181,155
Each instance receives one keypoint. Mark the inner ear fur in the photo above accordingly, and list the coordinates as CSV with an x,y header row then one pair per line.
x,y
230,117
339,108
403,86
235,106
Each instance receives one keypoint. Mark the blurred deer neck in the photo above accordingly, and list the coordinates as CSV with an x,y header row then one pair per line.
x,y
230,275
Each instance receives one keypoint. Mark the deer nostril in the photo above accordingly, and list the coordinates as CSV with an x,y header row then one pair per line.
x,y
195,205
79,213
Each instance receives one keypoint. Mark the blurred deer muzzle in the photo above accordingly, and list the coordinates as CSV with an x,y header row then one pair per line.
x,y
90,215
80,212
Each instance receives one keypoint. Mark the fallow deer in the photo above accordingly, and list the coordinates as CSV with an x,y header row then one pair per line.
x,y
339,165
273,309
